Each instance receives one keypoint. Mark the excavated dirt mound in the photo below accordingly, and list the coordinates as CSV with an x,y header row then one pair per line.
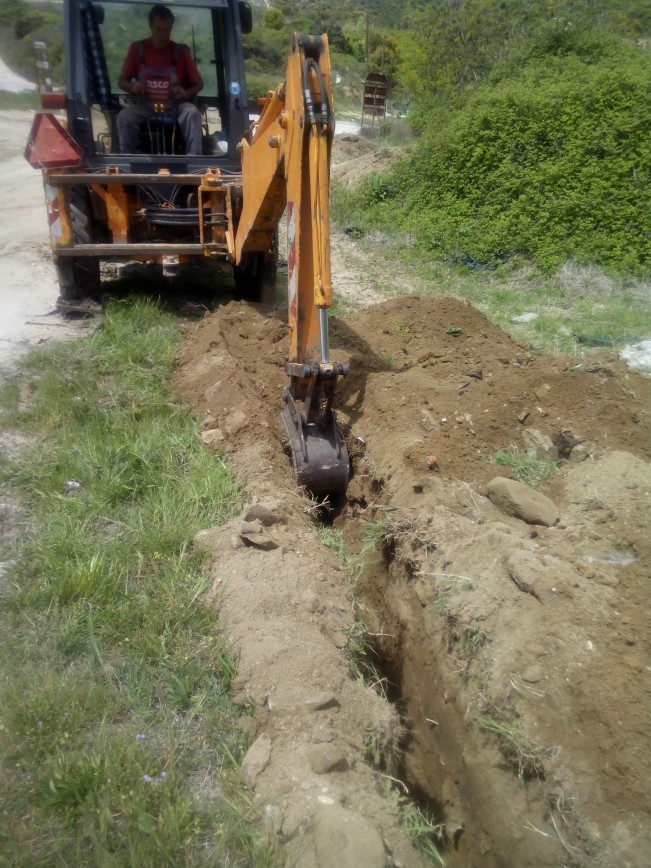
x,y
516,653
355,157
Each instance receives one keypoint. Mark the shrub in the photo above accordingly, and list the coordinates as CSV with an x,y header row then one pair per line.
x,y
552,161
27,24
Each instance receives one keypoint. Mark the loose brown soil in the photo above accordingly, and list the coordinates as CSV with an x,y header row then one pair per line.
x,y
516,656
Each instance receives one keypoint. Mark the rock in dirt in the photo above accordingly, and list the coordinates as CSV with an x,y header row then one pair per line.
x,y
258,540
344,839
580,453
321,702
538,575
250,531
517,499
264,515
427,421
273,818
235,422
524,570
533,674
537,443
256,760
249,726
249,527
212,436
324,758
565,442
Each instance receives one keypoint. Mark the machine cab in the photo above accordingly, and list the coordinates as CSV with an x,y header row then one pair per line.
x,y
97,38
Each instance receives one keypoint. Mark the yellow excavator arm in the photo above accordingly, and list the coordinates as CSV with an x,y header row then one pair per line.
x,y
286,165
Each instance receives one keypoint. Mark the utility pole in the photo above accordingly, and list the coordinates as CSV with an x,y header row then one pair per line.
x,y
368,18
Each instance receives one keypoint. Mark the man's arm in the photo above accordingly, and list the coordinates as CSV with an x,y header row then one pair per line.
x,y
192,83
133,87
188,92
129,71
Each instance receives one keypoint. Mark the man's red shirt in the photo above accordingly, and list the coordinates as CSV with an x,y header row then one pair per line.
x,y
161,58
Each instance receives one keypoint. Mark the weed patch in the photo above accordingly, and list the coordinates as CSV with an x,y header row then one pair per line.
x,y
427,833
526,468
520,752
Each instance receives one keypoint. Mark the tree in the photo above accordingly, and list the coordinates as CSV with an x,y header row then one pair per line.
x,y
450,45
273,18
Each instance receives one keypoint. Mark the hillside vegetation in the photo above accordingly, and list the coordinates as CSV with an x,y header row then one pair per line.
x,y
533,116
549,158
22,23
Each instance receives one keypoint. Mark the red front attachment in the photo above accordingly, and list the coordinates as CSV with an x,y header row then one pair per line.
x,y
50,146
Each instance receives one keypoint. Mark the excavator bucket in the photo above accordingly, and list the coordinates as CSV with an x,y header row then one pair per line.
x,y
286,167
318,452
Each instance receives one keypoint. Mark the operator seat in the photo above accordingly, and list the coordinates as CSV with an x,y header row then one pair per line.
x,y
161,136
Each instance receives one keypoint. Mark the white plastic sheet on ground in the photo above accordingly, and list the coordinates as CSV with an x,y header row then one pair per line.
x,y
638,356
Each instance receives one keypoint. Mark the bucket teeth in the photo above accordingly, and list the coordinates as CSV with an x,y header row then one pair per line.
x,y
318,452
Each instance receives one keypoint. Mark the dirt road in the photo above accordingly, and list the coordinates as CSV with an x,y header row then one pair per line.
x,y
509,632
11,82
27,278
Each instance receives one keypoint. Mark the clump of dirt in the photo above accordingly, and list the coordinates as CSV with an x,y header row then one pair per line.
x,y
348,146
355,157
517,654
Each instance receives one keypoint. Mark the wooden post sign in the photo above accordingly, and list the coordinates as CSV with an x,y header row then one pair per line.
x,y
374,99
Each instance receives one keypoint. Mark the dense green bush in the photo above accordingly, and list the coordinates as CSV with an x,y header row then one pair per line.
x,y
27,24
551,160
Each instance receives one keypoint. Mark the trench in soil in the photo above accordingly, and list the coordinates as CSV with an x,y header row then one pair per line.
x,y
452,771
403,650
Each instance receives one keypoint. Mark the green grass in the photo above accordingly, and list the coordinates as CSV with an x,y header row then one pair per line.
x,y
440,607
527,468
524,756
375,532
425,830
471,641
25,100
119,743
363,660
351,564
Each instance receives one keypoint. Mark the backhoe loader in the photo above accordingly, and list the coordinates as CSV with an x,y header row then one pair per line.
x,y
160,204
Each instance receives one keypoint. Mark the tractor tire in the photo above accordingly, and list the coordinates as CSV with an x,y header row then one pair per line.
x,y
255,278
78,277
